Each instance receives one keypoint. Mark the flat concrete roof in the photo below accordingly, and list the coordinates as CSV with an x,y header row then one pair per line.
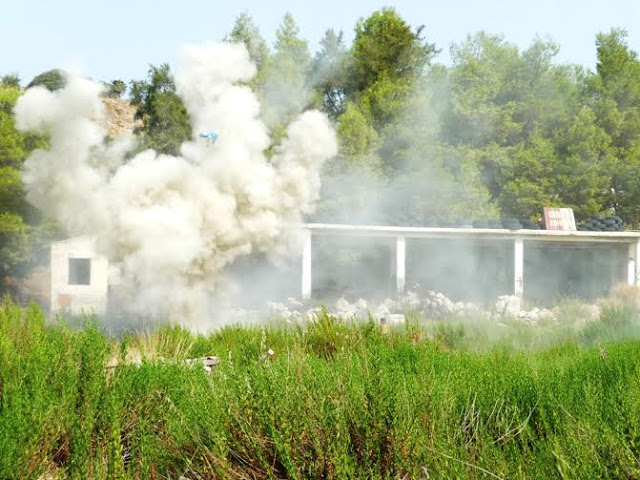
x,y
472,233
79,238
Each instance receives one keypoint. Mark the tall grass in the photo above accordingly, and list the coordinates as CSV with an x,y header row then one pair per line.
x,y
337,400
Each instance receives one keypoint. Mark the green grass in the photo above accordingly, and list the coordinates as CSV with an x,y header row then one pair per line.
x,y
337,400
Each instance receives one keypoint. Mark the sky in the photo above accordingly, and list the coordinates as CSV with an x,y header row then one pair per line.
x,y
119,39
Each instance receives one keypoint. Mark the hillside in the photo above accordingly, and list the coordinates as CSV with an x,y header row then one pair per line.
x,y
119,116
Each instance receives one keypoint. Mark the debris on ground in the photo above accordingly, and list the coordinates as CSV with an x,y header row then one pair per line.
x,y
430,304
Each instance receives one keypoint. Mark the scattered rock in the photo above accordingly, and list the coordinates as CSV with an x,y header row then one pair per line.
x,y
343,305
267,356
295,304
432,304
313,313
410,300
535,315
208,363
382,311
508,306
361,304
396,319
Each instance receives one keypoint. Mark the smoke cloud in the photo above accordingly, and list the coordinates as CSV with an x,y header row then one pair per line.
x,y
176,223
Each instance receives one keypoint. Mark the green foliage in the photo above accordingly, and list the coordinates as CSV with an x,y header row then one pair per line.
x,y
289,43
626,187
10,80
17,217
115,89
386,47
582,176
329,75
616,92
571,169
478,106
11,191
541,146
615,315
387,58
500,95
14,244
503,131
285,90
391,126
618,69
358,137
337,400
52,80
165,120
441,183
12,142
246,32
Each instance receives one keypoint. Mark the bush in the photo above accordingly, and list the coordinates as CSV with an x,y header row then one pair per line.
x,y
337,400
10,80
52,80
115,89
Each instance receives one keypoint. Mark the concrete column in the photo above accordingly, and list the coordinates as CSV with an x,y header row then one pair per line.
x,y
400,263
392,265
518,268
633,272
306,265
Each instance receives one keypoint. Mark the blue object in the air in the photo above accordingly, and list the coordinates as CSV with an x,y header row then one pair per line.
x,y
211,135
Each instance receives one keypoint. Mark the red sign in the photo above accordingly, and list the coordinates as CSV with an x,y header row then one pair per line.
x,y
559,219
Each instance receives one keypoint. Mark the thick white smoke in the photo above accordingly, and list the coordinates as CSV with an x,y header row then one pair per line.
x,y
176,222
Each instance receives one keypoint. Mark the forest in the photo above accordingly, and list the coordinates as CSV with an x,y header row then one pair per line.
x,y
499,132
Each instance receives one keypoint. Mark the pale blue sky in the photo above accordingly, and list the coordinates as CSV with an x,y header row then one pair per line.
x,y
119,39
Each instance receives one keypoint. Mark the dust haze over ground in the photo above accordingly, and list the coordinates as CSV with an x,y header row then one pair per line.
x,y
175,223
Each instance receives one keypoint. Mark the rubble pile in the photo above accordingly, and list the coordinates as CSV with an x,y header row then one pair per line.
x,y
436,304
431,304
537,314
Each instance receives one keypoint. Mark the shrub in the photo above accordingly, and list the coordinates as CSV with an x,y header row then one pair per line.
x,y
337,400
52,80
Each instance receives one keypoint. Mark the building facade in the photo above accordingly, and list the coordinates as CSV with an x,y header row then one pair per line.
x,y
79,277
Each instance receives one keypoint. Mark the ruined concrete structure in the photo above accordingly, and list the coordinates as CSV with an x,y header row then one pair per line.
x,y
530,264
533,264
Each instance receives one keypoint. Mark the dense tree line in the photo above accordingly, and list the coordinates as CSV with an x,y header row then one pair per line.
x,y
22,228
499,131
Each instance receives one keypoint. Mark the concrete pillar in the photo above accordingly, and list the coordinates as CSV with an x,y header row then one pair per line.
x,y
633,271
306,265
392,265
518,268
401,245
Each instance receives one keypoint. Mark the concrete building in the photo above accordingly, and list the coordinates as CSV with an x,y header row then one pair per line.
x,y
79,276
533,264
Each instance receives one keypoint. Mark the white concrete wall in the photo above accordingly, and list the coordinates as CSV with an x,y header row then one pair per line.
x,y
78,298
